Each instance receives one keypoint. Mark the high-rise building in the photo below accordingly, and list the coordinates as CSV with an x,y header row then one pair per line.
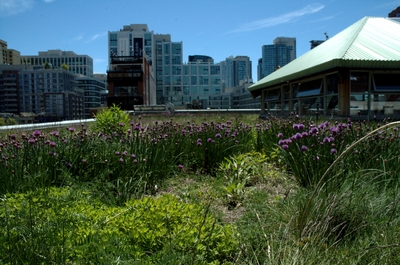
x,y
278,54
77,64
234,70
8,56
259,69
51,94
136,45
104,91
200,82
92,88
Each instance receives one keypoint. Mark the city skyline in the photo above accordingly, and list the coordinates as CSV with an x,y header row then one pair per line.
x,y
212,28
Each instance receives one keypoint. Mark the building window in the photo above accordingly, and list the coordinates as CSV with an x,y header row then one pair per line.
x,y
273,94
387,82
311,88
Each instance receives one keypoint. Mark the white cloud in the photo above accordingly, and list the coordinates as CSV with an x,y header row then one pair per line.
x,y
285,18
95,36
49,1
13,7
78,38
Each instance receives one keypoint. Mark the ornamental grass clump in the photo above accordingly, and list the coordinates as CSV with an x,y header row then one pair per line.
x,y
308,149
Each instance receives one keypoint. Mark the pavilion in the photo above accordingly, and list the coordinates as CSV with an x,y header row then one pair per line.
x,y
356,72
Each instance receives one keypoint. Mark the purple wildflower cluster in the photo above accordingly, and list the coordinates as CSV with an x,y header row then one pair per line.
x,y
312,134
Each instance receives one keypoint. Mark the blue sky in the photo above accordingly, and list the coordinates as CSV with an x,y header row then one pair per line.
x,y
217,28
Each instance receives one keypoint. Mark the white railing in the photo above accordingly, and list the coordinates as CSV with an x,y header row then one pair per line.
x,y
36,126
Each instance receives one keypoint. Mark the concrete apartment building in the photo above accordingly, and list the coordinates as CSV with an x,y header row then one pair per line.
x,y
131,73
8,56
93,89
47,94
77,64
58,97
196,83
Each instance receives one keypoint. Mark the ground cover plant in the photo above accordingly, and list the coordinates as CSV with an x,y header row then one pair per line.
x,y
201,189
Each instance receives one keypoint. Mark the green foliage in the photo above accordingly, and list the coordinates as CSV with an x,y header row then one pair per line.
x,y
66,226
243,170
65,66
7,121
343,211
112,120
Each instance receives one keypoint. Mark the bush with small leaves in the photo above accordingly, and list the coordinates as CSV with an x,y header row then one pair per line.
x,y
112,120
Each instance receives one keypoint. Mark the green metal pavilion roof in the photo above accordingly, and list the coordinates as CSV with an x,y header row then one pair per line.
x,y
371,42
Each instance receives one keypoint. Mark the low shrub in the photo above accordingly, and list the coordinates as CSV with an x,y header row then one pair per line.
x,y
71,226
112,120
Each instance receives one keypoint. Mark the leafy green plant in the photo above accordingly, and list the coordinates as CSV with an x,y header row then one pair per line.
x,y
112,120
71,226
7,121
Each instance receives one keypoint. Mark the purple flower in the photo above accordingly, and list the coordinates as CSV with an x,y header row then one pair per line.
x,y
31,141
52,144
121,124
218,135
180,166
297,136
333,151
313,130
36,133
280,135
117,153
304,148
121,160
68,165
209,140
84,161
133,156
135,161
285,147
71,129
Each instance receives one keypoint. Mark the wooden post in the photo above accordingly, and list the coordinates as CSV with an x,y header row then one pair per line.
x,y
262,102
344,93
